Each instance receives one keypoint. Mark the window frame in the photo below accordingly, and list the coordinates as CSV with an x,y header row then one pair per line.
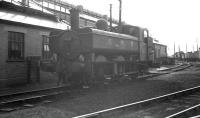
x,y
46,55
17,40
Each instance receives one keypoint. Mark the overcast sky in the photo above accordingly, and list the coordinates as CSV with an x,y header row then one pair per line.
x,y
169,21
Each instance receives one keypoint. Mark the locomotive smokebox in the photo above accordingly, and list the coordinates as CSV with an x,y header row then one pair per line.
x,y
74,14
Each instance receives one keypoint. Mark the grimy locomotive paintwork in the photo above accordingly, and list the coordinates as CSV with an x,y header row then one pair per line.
x,y
104,53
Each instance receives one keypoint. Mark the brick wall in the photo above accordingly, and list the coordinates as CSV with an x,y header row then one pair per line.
x,y
3,55
16,72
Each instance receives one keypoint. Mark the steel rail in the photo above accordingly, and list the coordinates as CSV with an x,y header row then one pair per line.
x,y
184,67
167,71
177,66
184,113
31,91
30,98
141,103
30,95
198,116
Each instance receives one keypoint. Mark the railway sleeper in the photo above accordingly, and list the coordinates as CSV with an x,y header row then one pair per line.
x,y
29,99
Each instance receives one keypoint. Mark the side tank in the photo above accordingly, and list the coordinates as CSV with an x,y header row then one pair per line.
x,y
119,50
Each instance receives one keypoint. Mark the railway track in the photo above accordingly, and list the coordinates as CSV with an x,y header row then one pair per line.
x,y
15,101
176,68
181,67
192,112
10,102
173,105
166,71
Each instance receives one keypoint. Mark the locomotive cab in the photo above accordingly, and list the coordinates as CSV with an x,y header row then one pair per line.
x,y
145,42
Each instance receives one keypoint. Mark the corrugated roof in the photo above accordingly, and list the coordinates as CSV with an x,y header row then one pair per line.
x,y
31,20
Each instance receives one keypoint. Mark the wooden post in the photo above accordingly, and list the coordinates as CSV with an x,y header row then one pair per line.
x,y
42,5
65,14
54,5
174,51
48,4
38,71
60,12
28,70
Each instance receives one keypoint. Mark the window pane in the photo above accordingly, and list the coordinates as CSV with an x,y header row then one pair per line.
x,y
45,51
15,45
47,48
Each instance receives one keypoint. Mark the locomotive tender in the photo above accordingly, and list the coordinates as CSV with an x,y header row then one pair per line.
x,y
104,53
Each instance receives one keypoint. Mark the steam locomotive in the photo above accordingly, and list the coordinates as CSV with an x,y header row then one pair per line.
x,y
104,53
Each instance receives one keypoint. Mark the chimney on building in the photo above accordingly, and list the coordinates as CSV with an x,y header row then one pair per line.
x,y
74,17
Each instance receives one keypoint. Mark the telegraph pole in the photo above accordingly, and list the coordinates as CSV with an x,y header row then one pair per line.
x,y
193,48
110,17
179,51
120,12
174,53
186,52
197,45
186,47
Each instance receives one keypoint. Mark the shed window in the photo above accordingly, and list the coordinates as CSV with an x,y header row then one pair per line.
x,y
45,49
15,45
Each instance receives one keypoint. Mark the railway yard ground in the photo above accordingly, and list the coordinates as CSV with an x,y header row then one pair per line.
x,y
82,101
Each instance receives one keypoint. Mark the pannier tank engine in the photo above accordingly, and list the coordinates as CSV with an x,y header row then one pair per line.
x,y
104,53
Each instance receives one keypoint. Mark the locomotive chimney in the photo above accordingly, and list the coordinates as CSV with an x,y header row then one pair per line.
x,y
25,2
74,14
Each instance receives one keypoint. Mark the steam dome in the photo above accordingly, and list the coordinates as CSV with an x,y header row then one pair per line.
x,y
102,24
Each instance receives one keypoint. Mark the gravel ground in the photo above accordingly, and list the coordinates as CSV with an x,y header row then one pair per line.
x,y
38,112
111,95
186,79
